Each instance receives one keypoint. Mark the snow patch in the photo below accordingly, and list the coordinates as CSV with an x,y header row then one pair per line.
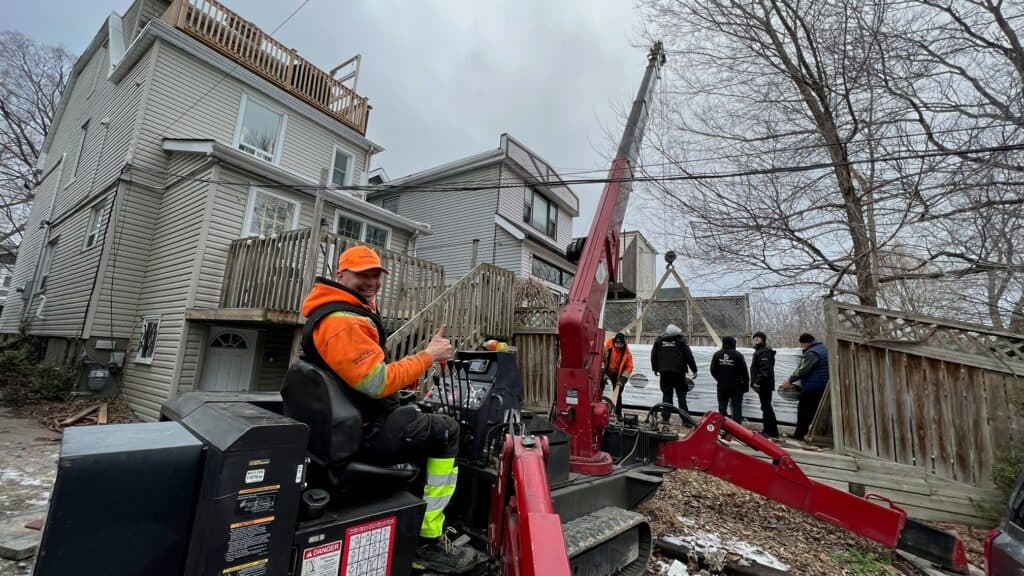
x,y
715,548
18,477
678,569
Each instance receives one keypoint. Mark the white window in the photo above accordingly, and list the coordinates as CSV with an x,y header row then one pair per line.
x,y
146,344
390,204
7,281
269,213
44,264
540,212
81,150
260,130
92,233
372,234
341,167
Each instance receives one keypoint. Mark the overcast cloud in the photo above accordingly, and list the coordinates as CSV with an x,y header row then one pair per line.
x,y
445,78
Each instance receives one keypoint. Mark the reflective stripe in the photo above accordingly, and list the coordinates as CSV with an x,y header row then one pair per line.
x,y
442,479
373,384
442,474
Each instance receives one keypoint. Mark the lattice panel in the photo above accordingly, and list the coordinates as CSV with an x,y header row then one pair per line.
x,y
535,318
881,327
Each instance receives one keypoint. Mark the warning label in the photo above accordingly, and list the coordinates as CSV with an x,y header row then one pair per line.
x,y
256,500
249,538
255,568
368,548
572,397
322,561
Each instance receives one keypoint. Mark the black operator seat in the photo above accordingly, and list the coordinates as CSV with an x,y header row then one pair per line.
x,y
318,399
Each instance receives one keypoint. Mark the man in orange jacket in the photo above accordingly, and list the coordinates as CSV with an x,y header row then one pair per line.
x,y
618,367
344,332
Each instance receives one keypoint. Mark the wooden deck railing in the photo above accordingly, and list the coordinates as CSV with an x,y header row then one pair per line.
x,y
477,307
215,25
266,272
271,272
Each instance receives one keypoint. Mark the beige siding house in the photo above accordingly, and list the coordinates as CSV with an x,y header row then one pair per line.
x,y
172,234
505,206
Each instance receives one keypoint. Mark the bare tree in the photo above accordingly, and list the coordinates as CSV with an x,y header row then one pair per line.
x,y
761,86
32,78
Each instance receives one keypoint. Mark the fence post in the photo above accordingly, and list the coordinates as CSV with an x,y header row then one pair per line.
x,y
835,389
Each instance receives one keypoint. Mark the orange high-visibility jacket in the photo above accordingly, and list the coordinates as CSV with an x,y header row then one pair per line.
x,y
349,344
617,362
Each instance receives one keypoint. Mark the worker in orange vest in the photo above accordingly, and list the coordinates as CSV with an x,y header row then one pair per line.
x,y
618,367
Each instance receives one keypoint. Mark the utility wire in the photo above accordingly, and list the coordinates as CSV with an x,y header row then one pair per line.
x,y
679,177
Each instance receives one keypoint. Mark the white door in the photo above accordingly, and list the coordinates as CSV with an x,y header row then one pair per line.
x,y
229,358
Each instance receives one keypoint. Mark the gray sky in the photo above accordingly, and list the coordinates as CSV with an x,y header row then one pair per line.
x,y
445,78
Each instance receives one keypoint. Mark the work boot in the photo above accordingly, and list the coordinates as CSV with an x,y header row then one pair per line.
x,y
443,556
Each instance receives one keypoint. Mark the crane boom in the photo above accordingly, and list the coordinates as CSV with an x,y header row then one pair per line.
x,y
578,409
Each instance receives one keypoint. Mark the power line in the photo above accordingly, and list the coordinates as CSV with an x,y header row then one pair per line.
x,y
224,75
682,177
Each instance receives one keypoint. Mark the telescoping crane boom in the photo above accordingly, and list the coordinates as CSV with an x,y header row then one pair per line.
x,y
580,411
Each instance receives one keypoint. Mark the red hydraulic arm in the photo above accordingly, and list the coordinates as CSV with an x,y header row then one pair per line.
x,y
783,481
524,531
578,407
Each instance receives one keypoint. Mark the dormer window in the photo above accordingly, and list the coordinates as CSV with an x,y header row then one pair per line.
x,y
260,130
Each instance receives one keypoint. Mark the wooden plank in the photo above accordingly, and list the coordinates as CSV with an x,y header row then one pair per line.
x,y
923,447
865,400
978,406
882,395
77,416
960,431
836,391
101,416
940,422
903,428
847,377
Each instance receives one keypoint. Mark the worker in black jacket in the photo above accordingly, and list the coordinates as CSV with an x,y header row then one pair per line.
x,y
729,369
670,358
762,380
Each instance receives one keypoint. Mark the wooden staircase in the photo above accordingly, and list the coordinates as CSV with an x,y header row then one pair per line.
x,y
477,307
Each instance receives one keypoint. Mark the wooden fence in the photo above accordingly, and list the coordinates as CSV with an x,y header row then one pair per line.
x,y
536,341
936,394
477,307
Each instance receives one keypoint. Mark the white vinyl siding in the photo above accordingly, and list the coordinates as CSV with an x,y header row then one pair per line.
x,y
260,129
268,214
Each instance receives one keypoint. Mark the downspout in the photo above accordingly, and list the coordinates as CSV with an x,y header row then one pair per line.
x,y
99,261
497,210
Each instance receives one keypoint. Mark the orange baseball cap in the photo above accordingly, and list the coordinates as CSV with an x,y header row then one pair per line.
x,y
360,259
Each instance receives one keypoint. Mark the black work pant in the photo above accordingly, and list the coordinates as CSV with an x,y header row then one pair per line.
x,y
806,408
408,435
734,398
770,424
673,382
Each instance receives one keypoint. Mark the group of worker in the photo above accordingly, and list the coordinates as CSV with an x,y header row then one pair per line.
x,y
344,333
673,362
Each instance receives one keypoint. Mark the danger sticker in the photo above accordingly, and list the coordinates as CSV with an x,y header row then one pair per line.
x,y
572,397
323,560
254,476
